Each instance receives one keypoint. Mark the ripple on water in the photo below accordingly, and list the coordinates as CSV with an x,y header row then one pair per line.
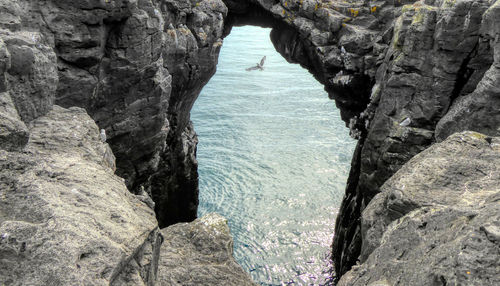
x,y
273,158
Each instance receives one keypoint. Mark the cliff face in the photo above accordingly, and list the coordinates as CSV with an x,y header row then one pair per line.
x,y
404,74
65,218
437,220
438,75
135,66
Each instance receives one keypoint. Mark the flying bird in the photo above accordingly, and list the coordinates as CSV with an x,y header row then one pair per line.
x,y
259,66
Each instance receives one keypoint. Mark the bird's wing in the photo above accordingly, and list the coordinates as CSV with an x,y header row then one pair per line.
x,y
252,68
262,61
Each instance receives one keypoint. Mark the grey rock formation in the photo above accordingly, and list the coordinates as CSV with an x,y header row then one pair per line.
x,y
28,71
478,110
117,60
433,62
138,66
14,134
437,220
28,77
65,218
439,70
200,253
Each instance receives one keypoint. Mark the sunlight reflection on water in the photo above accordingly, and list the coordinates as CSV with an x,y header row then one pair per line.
x,y
273,158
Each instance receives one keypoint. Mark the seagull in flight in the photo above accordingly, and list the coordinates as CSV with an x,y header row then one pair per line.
x,y
259,66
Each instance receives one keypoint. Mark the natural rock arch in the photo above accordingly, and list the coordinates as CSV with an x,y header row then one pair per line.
x,y
304,45
192,37
409,78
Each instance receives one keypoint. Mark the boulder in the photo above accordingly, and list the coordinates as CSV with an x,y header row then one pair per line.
x,y
200,253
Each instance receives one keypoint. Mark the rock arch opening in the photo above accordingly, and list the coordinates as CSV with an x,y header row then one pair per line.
x,y
299,39
138,66
273,158
164,163
304,43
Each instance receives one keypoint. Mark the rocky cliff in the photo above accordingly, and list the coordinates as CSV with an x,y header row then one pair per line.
x,y
437,220
404,73
65,218
135,66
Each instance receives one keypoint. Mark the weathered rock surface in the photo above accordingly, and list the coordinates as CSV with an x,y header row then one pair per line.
x,y
413,72
404,74
200,253
117,59
28,77
437,220
478,110
65,218
437,75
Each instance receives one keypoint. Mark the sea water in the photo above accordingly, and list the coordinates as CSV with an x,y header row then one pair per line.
x,y
273,158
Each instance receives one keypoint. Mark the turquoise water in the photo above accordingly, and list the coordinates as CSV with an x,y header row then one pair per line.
x,y
273,158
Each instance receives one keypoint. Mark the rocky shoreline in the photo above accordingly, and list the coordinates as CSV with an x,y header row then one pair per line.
x,y
405,75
